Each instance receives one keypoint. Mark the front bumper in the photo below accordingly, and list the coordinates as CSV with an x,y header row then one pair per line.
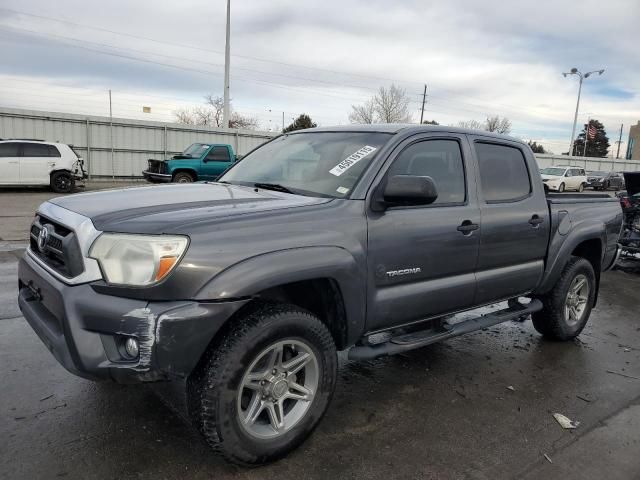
x,y
84,329
595,184
156,177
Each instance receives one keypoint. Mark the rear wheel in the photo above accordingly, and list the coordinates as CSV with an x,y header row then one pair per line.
x,y
581,188
183,177
568,305
62,182
266,385
561,188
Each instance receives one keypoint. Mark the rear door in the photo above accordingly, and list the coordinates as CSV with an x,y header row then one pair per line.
x,y
215,162
9,163
422,259
37,160
515,220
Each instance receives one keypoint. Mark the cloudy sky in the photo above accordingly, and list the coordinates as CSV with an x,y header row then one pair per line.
x,y
477,58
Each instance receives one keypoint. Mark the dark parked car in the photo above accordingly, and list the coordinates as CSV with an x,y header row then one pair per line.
x,y
361,237
605,180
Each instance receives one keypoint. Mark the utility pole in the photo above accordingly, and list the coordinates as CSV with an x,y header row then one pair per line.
x,y
226,112
282,122
619,141
113,167
582,76
424,98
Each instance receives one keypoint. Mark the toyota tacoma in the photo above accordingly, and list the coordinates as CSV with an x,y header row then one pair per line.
x,y
375,239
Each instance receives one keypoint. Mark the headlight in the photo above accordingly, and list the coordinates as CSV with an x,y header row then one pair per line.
x,y
137,260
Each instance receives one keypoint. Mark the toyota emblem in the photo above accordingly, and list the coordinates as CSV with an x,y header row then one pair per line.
x,y
43,236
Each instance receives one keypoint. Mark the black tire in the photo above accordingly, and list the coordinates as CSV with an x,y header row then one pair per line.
x,y
552,321
213,389
561,188
581,188
62,182
606,186
183,177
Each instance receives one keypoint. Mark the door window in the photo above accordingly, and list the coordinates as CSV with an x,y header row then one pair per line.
x,y
439,159
9,149
218,154
503,173
35,150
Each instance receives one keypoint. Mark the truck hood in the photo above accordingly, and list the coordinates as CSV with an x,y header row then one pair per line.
x,y
632,182
550,177
168,208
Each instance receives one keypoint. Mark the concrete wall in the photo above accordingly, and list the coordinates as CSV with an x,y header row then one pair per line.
x,y
589,163
134,141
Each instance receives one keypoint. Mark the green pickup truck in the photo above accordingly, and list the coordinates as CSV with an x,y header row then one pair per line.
x,y
200,161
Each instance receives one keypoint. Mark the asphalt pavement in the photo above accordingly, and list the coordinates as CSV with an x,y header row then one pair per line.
x,y
476,407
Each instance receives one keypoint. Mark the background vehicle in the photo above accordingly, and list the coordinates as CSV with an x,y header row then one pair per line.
x,y
605,180
36,162
200,161
560,179
360,237
630,202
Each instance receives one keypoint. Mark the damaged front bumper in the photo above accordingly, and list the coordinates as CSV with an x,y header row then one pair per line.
x,y
85,330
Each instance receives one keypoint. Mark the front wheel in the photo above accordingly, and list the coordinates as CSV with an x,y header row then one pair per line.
x,y
266,384
183,177
568,305
561,188
62,182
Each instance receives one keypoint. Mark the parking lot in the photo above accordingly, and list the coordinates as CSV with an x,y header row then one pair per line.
x,y
480,406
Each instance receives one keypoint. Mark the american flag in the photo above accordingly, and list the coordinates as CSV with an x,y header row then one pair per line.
x,y
591,132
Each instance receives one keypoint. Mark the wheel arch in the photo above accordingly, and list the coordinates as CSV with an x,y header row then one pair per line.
x,y
188,170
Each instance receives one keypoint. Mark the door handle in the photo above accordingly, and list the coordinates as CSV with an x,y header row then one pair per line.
x,y
536,220
467,227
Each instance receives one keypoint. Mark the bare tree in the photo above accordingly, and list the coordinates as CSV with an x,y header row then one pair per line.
x,y
389,105
498,125
210,115
365,113
471,124
392,105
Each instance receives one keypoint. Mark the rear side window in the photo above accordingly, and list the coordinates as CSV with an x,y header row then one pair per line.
x,y
219,154
9,149
503,172
35,150
439,159
53,151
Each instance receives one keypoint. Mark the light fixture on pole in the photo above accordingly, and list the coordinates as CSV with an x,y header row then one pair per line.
x,y
582,76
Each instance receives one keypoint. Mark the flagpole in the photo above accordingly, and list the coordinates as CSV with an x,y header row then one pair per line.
x,y
586,136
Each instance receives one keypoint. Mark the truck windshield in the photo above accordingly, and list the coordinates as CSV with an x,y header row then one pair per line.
x,y
326,164
553,171
195,150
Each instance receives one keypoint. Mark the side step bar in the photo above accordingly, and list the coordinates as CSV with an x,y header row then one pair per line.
x,y
409,341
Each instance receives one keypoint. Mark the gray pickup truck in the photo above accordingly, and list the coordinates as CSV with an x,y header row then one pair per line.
x,y
367,238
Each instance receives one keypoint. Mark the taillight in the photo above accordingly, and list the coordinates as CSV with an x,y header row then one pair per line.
x,y
626,203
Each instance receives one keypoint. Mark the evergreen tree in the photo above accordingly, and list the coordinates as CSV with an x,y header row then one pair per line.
x,y
536,148
598,146
300,123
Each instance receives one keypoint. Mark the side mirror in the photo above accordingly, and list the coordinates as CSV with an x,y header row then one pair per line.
x,y
410,190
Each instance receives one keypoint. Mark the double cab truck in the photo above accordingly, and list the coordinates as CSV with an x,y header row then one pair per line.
x,y
377,239
200,161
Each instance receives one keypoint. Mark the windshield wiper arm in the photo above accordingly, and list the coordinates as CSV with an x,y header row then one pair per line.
x,y
273,186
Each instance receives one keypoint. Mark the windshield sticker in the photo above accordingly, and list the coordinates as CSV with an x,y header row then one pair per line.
x,y
342,190
351,160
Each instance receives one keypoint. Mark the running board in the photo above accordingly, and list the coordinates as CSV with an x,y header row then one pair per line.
x,y
409,341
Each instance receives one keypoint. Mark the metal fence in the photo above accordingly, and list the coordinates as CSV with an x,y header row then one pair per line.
x,y
589,163
119,148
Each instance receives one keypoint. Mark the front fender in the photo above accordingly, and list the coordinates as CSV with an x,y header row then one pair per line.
x,y
259,273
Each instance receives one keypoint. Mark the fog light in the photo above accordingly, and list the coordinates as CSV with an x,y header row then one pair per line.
x,y
131,347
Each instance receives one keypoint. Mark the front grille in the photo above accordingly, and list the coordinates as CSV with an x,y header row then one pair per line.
x,y
157,166
59,250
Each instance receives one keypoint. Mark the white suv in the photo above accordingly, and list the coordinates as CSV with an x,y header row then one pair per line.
x,y
564,178
35,162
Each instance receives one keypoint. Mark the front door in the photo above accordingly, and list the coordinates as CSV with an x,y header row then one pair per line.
x,y
515,221
422,259
215,162
9,163
35,164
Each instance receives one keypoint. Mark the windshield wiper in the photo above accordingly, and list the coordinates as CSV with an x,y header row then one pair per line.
x,y
273,186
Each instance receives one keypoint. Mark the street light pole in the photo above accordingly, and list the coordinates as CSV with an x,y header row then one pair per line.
x,y
582,76
227,54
